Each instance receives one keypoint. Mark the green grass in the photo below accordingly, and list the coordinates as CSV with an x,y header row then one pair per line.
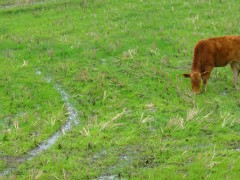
x,y
122,64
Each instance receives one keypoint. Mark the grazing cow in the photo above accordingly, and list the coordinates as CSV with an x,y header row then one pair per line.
x,y
214,52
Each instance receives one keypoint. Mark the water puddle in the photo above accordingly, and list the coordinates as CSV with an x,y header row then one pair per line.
x,y
225,92
72,120
108,177
124,161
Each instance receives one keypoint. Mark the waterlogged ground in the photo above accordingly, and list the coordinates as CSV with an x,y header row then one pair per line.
x,y
117,66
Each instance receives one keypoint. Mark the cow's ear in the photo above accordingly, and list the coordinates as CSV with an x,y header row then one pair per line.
x,y
187,75
205,73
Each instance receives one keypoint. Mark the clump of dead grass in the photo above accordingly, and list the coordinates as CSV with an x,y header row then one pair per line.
x,y
178,122
106,125
112,123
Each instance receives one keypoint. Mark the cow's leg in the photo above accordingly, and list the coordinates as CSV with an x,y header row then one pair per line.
x,y
205,80
235,70
205,76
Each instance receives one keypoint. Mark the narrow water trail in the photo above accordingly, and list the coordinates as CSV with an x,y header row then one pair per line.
x,y
72,120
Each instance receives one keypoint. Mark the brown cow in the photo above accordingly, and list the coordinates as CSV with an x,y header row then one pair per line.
x,y
214,52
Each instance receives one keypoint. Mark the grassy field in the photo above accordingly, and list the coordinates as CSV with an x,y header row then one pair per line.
x,y
121,62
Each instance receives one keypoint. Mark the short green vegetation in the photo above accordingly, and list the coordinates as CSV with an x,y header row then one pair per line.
x,y
121,62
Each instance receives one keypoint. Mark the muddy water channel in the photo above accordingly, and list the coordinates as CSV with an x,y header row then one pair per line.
x,y
72,120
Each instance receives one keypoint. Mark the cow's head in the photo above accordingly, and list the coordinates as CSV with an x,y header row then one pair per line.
x,y
195,80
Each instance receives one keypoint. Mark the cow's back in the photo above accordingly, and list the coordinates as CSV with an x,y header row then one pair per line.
x,y
219,51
